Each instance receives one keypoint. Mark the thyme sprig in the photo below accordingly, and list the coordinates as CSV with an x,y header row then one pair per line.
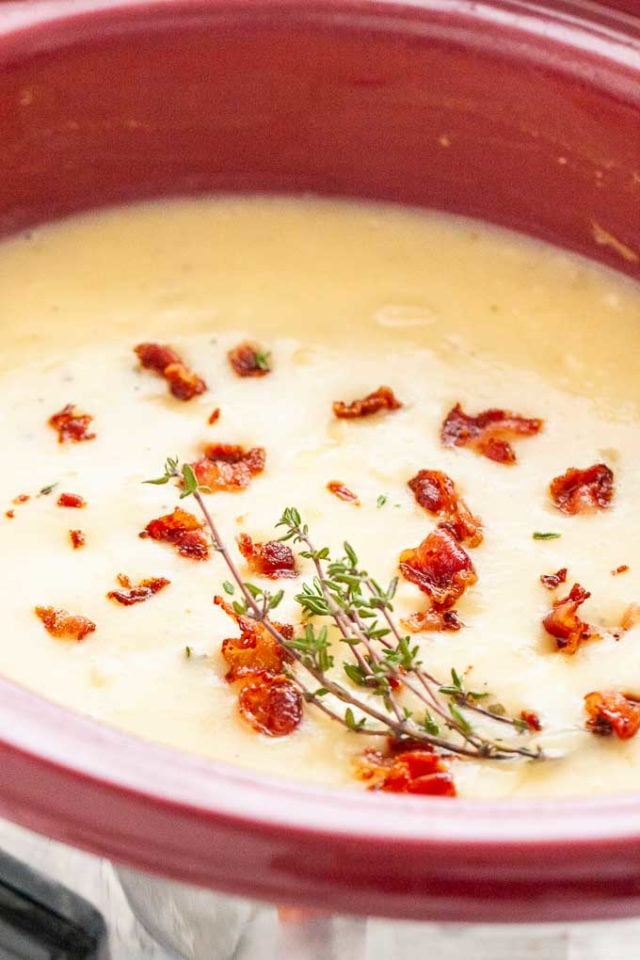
x,y
380,666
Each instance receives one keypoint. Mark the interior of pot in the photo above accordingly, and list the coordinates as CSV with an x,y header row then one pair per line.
x,y
512,111
473,108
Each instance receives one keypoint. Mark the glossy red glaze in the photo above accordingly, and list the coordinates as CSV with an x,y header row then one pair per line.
x,y
516,111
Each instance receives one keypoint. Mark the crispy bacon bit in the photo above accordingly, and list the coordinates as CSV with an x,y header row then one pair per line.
x,y
272,559
563,622
63,625
532,720
270,702
439,567
623,568
130,594
437,493
229,467
417,771
255,653
488,433
77,538
272,705
10,514
342,493
613,713
21,498
181,529
72,500
583,491
553,580
72,427
214,416
429,620
248,360
381,399
162,359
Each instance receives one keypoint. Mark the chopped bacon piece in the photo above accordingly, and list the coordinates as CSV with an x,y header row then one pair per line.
x,y
21,498
72,427
429,620
77,538
613,713
214,416
229,467
437,493
563,623
255,653
553,580
10,514
72,500
623,568
531,719
342,493
181,529
162,359
418,771
488,433
272,559
272,705
439,567
583,491
130,594
156,356
183,383
63,625
381,399
248,360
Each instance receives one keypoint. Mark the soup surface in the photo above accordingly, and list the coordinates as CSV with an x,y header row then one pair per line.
x,y
341,299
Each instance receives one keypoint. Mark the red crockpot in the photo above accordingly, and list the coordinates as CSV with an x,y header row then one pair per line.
x,y
525,113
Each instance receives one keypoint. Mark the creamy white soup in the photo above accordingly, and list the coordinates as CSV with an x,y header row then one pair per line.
x,y
331,301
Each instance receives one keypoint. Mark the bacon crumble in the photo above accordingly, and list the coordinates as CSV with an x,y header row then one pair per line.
x,y
381,399
181,529
214,416
436,492
272,559
417,771
72,426
272,705
532,720
129,594
553,580
229,467
563,623
21,498
270,702
623,568
248,360
10,514
71,500
343,493
63,625
439,567
426,621
612,713
488,433
165,361
583,491
77,538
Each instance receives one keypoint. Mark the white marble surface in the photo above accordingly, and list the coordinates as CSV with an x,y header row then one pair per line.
x,y
95,879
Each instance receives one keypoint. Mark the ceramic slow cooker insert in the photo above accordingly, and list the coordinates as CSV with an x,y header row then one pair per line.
x,y
525,114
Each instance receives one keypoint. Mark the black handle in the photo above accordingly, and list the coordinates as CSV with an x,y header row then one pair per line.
x,y
42,920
